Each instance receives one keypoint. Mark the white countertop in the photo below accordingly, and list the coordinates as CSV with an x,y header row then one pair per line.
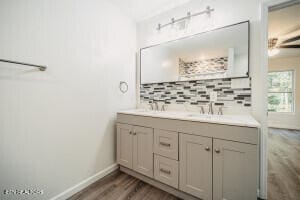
x,y
235,120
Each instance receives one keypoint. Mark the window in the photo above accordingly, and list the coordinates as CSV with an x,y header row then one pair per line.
x,y
281,91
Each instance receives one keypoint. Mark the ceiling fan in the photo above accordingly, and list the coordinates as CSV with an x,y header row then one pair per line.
x,y
289,40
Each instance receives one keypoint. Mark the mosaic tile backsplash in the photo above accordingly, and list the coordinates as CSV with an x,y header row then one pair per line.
x,y
196,93
214,65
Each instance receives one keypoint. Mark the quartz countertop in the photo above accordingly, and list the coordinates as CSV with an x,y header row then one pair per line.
x,y
234,120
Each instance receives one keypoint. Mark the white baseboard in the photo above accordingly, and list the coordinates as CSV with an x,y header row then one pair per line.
x,y
282,126
86,182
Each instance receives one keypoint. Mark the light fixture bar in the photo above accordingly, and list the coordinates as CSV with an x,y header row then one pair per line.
x,y
189,15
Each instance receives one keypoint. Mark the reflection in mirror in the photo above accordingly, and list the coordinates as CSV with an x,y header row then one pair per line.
x,y
221,53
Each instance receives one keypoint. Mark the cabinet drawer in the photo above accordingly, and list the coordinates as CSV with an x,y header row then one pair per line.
x,y
166,170
166,143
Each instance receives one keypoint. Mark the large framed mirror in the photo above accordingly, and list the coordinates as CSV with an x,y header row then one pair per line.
x,y
216,54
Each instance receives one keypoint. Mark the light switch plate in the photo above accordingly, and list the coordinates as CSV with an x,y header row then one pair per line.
x,y
213,96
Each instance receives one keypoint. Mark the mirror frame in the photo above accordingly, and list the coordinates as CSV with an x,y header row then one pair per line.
x,y
194,35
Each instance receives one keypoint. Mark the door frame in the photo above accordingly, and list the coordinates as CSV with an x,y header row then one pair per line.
x,y
264,14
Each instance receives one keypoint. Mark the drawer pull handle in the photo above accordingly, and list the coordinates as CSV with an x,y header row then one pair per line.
x,y
217,150
165,171
165,144
207,148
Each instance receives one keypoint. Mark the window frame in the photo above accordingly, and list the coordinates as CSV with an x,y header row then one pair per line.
x,y
292,92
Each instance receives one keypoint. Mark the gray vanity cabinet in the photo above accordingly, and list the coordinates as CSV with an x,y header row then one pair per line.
x,y
196,165
235,170
135,148
192,160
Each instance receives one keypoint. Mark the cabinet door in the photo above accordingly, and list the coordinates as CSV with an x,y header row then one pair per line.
x,y
143,150
196,165
124,145
235,170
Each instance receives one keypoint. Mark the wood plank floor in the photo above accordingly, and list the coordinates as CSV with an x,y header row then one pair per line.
x,y
283,164
119,186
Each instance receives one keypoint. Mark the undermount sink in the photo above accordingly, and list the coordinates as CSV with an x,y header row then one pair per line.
x,y
215,116
201,116
192,115
148,111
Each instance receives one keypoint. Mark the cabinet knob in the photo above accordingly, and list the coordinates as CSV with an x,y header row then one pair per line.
x,y
134,133
207,148
217,150
130,132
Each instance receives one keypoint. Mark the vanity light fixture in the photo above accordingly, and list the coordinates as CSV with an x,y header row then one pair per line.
x,y
188,16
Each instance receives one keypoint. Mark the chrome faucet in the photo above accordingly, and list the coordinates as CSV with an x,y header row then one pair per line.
x,y
154,106
220,112
202,110
163,107
210,108
151,106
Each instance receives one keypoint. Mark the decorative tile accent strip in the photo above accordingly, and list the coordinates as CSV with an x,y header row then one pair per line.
x,y
196,93
214,65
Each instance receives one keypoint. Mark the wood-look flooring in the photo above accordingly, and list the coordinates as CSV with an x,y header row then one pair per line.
x,y
283,164
119,186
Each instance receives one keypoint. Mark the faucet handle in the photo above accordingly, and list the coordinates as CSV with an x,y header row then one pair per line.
x,y
220,111
202,109
151,106
163,107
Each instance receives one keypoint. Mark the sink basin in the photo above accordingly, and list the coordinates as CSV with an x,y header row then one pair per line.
x,y
201,116
148,111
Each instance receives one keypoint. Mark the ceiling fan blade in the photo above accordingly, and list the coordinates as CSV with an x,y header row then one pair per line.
x,y
292,46
292,39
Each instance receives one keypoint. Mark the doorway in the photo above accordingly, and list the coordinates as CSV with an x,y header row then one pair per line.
x,y
283,99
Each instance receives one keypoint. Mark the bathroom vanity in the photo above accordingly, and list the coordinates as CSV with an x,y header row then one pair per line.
x,y
190,155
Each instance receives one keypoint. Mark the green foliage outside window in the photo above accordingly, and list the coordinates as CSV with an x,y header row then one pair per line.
x,y
280,91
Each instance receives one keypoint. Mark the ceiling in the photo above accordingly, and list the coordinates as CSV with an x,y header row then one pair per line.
x,y
285,23
142,9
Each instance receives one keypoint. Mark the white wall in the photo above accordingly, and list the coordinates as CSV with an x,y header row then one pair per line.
x,y
57,126
287,120
226,13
